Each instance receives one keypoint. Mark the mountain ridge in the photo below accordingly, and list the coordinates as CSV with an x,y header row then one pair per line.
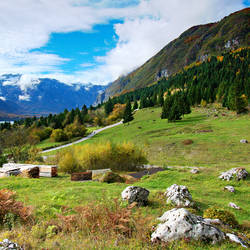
x,y
195,44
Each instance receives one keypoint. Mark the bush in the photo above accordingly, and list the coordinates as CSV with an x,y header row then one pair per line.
x,y
111,177
75,130
225,216
2,160
122,157
58,135
68,163
12,210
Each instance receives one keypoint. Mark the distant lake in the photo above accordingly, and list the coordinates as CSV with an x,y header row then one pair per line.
x,y
7,121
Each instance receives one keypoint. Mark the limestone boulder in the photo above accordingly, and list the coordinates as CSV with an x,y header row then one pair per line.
x,y
237,173
179,223
179,195
135,194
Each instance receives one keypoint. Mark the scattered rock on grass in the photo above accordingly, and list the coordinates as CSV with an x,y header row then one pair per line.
x,y
179,223
238,173
233,205
243,141
7,244
229,188
195,171
135,194
179,195
236,239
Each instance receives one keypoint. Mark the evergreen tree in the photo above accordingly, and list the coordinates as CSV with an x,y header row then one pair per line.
x,y
175,113
108,106
160,99
135,105
127,116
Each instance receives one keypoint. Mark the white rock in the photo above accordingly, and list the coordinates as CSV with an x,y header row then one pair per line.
x,y
194,171
243,141
135,194
233,205
236,239
179,195
229,188
179,223
238,173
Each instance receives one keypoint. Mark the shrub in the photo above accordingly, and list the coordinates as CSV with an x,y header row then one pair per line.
x,y
2,160
68,163
58,135
225,216
12,210
111,177
122,157
75,130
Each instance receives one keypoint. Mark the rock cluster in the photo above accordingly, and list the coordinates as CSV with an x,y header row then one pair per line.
x,y
238,173
179,196
179,223
7,245
136,194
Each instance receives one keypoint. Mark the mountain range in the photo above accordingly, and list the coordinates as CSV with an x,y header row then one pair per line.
x,y
195,44
42,96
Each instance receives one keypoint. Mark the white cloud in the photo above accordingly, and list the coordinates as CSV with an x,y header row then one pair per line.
x,y
25,97
2,98
147,27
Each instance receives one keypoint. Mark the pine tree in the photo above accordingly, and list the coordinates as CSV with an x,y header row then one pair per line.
x,y
127,116
108,106
161,99
135,105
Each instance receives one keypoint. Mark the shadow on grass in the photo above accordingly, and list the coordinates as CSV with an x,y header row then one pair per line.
x,y
195,119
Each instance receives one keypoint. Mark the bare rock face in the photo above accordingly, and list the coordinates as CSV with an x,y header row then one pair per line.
x,y
179,196
135,194
238,173
229,188
179,223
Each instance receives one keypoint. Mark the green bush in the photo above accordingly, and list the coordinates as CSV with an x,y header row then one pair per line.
x,y
111,177
2,160
121,157
58,135
225,216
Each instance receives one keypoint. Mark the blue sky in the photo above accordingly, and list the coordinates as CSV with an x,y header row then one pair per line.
x,y
94,40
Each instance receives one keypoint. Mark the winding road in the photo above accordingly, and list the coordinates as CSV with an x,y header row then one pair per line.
x,y
83,139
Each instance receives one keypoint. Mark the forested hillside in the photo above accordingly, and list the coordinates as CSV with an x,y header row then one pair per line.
x,y
196,44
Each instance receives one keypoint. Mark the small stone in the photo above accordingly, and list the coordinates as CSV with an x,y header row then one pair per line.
x,y
236,239
194,171
243,141
179,195
233,205
135,194
229,188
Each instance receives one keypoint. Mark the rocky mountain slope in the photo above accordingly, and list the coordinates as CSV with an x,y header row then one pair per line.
x,y
195,44
43,96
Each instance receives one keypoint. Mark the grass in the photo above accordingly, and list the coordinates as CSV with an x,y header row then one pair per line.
x,y
216,148
49,197
163,141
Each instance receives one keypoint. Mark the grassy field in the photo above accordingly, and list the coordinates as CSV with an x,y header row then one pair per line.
x,y
215,148
215,139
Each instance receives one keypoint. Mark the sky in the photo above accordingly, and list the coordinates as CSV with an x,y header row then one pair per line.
x,y
94,41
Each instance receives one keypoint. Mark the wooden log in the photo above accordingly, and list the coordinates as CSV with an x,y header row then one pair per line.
x,y
83,176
